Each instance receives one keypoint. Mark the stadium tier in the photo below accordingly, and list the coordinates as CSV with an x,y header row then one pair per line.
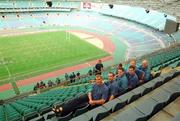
x,y
49,69
30,107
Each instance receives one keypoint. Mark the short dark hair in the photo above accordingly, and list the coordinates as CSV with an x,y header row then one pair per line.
x,y
120,65
132,67
122,69
98,75
112,73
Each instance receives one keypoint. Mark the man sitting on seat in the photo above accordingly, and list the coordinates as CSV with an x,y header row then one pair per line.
x,y
132,78
113,86
122,81
147,72
99,93
138,72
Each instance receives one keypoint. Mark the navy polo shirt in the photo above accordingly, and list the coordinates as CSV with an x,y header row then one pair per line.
x,y
132,80
113,88
147,73
122,82
99,92
139,73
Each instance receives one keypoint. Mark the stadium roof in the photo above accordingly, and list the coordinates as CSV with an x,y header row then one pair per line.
x,y
171,7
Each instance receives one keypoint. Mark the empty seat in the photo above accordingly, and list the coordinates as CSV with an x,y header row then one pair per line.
x,y
65,118
45,109
176,73
149,86
82,117
30,116
132,114
140,90
97,113
40,118
127,97
149,107
162,96
49,115
174,89
81,110
114,105
157,82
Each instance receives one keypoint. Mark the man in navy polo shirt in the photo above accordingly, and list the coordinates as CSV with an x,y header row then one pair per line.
x,y
147,72
138,72
99,93
132,78
122,80
113,86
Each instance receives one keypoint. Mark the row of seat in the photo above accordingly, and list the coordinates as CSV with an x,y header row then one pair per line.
x,y
144,109
168,113
125,99
33,106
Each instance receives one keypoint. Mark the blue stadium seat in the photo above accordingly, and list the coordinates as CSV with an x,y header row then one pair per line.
x,y
174,89
126,97
140,90
157,82
40,118
162,96
114,105
97,113
82,117
149,107
81,110
65,118
131,114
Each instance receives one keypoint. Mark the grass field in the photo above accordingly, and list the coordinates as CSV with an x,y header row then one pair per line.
x,y
33,54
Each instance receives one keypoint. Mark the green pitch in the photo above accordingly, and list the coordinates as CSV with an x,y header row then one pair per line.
x,y
28,55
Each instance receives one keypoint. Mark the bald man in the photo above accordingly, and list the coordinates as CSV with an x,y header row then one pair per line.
x,y
147,72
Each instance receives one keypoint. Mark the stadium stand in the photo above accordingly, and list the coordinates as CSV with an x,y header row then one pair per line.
x,y
30,107
137,14
150,101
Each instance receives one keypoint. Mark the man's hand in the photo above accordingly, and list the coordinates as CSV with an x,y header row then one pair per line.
x,y
91,102
141,81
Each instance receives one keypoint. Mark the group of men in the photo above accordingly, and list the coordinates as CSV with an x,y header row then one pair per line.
x,y
118,84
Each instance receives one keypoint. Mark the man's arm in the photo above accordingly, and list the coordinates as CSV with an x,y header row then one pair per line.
x,y
90,96
98,102
142,76
95,102
111,97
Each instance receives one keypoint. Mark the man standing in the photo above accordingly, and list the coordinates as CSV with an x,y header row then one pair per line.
x,y
66,76
98,67
99,93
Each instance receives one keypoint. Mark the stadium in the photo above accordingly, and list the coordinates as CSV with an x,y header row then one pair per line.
x,y
63,60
